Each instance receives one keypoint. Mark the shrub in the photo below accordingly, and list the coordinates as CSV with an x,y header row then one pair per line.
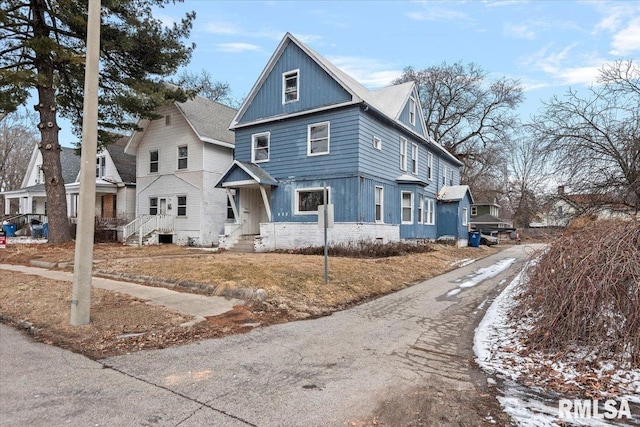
x,y
368,249
585,293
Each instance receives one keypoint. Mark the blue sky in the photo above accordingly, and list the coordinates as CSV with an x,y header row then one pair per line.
x,y
548,46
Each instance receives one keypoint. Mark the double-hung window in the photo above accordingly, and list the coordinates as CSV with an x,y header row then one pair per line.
x,y
407,207
420,209
412,112
290,86
153,206
414,159
450,180
260,147
182,205
429,213
318,139
153,161
465,217
101,166
430,166
183,155
403,154
379,203
444,175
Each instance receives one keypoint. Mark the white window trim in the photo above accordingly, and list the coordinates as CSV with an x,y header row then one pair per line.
x,y
444,175
297,210
412,111
381,220
414,158
377,143
465,217
430,165
403,153
157,162
402,207
101,166
178,158
324,153
186,199
421,207
253,146
474,210
431,212
285,75
157,206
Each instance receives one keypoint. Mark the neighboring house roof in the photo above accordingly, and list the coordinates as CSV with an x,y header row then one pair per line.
x,y
450,193
487,219
70,162
388,101
125,163
208,119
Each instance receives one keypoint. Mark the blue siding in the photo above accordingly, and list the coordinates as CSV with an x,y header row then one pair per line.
x,y
449,218
404,118
288,146
316,88
238,174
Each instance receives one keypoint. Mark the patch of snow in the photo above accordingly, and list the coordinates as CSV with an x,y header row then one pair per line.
x,y
24,240
497,347
482,274
453,292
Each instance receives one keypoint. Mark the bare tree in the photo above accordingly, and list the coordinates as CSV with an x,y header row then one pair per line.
x,y
467,113
595,139
18,137
205,86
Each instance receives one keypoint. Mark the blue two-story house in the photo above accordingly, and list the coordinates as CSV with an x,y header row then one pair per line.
x,y
305,126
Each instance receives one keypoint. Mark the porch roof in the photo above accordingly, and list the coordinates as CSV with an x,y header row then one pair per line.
x,y
242,174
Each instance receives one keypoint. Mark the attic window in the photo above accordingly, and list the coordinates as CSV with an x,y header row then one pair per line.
x,y
412,112
290,86
167,120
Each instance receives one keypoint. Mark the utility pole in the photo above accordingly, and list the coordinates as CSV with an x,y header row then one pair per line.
x,y
83,261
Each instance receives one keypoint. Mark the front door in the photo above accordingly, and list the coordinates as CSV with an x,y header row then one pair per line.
x,y
251,210
162,208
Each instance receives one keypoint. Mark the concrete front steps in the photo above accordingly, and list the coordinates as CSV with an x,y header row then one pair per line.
x,y
245,244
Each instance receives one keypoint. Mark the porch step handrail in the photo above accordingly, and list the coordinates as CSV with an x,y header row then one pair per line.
x,y
146,224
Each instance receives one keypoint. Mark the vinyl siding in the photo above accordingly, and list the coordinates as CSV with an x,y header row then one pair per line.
x,y
316,88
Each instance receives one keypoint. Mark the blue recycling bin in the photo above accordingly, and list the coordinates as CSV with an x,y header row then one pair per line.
x,y
10,229
474,239
45,230
36,231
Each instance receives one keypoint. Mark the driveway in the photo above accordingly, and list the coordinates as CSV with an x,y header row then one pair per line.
x,y
401,358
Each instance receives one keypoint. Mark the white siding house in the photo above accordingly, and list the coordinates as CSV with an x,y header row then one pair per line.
x,y
179,158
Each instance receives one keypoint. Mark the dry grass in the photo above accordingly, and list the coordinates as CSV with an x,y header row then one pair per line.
x,y
294,285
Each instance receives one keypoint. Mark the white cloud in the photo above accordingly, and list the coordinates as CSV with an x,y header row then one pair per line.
x,y
521,31
226,28
563,67
238,47
627,40
435,13
368,72
166,20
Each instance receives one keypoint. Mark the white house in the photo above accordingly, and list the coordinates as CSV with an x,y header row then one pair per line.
x,y
179,159
115,185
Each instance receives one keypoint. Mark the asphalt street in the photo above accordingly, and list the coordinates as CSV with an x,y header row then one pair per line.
x,y
320,372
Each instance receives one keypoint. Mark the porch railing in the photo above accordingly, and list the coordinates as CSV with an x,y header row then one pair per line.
x,y
145,224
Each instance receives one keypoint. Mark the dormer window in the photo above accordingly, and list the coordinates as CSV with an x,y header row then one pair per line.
x,y
40,176
290,86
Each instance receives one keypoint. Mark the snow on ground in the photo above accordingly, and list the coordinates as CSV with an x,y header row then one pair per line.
x,y
463,262
24,240
497,347
481,275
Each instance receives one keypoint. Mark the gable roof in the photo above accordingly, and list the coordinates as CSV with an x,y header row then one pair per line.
x,y
450,193
125,163
208,119
253,172
388,101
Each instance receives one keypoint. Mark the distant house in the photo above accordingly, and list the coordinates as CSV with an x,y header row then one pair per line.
x,y
307,125
485,216
115,184
179,159
562,207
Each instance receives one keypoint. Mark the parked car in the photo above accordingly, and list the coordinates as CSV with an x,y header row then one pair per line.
x,y
489,240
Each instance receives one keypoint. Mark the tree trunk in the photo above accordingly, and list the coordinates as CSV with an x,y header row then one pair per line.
x,y
59,229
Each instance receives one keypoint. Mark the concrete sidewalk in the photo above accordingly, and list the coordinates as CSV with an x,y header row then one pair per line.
x,y
199,306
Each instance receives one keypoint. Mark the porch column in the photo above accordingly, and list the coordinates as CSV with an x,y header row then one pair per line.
x,y
236,216
265,199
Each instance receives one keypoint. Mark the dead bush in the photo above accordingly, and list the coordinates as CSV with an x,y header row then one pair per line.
x,y
369,249
585,294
